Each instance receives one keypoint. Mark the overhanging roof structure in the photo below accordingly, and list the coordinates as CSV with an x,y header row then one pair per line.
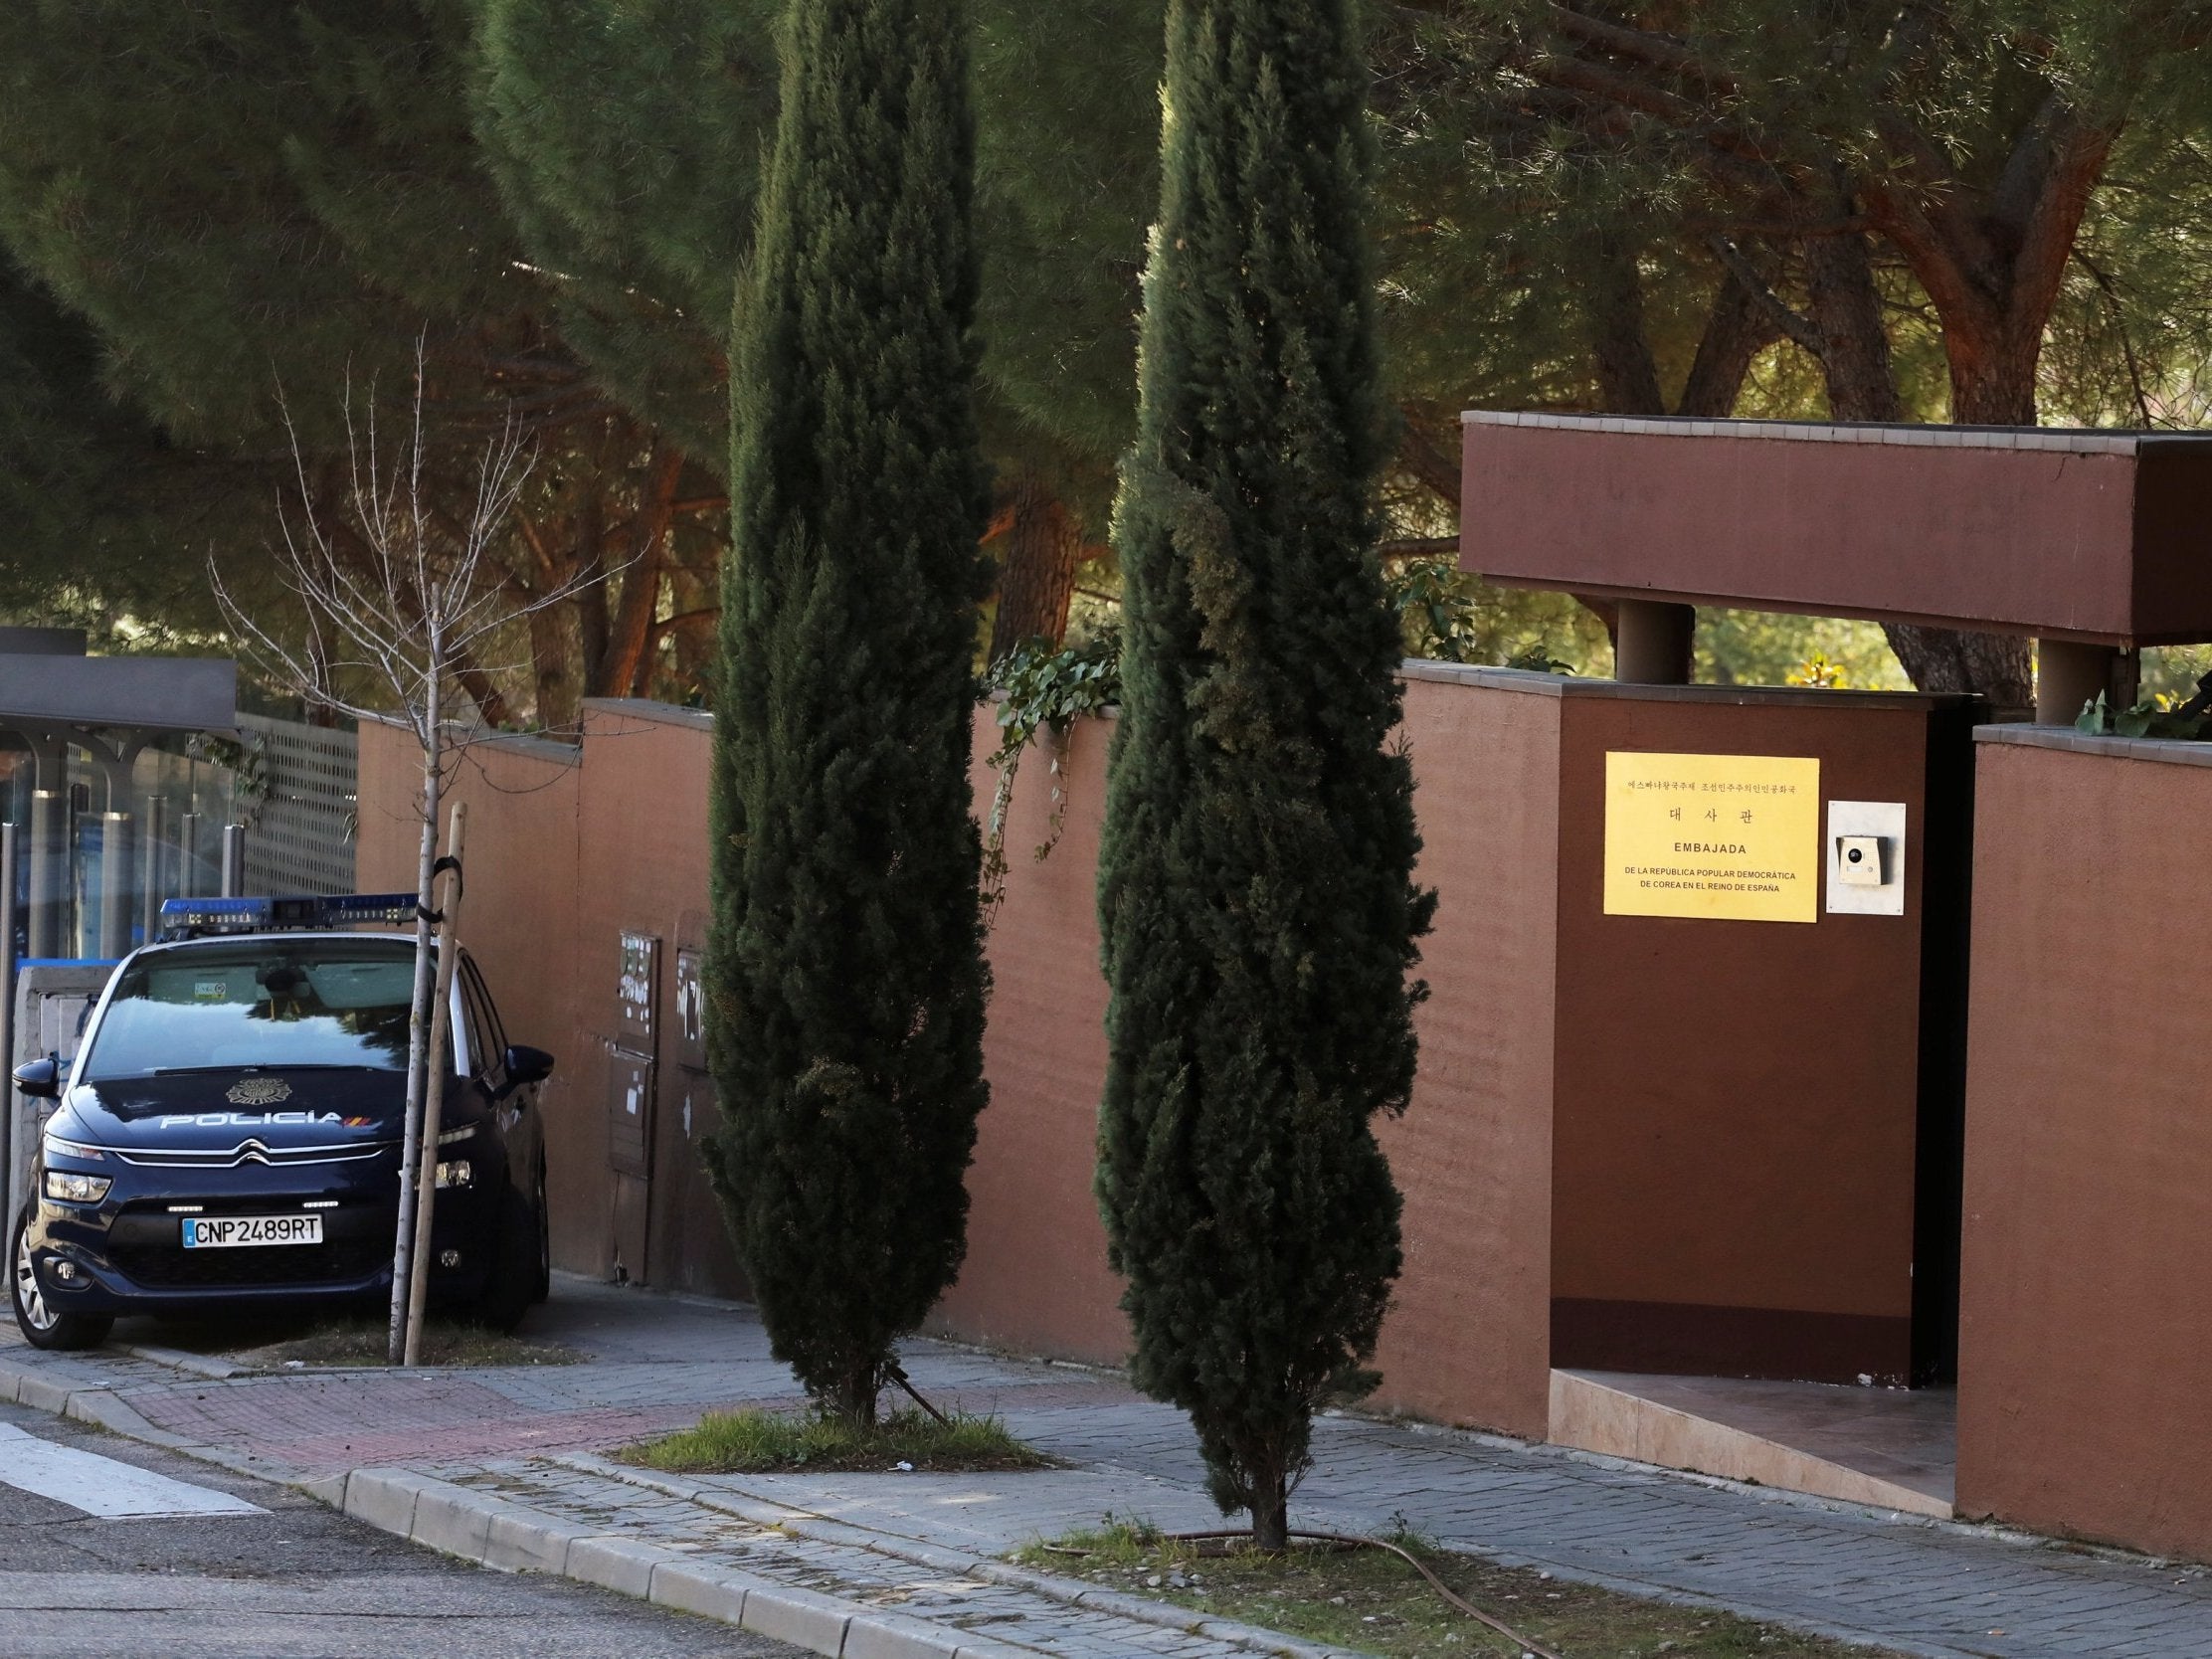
x,y
145,694
2095,536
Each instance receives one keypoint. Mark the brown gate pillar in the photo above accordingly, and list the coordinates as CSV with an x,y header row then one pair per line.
x,y
1652,643
2068,673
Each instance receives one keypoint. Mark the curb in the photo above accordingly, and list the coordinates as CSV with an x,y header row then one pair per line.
x,y
513,1537
1071,1593
177,1358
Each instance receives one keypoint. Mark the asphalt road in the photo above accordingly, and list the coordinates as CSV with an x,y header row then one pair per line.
x,y
255,1572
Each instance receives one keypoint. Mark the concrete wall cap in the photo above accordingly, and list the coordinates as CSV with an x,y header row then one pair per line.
x,y
2168,751
2075,439
659,714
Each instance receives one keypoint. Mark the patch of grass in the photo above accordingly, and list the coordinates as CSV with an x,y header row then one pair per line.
x,y
1373,1602
280,1342
762,1443
444,1343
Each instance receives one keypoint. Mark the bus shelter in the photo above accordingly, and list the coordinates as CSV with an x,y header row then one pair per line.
x,y
113,782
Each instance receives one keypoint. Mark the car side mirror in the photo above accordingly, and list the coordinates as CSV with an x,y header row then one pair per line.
x,y
40,1078
526,1066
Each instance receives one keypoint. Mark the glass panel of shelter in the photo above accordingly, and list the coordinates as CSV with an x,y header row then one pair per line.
x,y
107,827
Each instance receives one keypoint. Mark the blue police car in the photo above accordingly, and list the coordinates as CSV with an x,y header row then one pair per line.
x,y
229,1131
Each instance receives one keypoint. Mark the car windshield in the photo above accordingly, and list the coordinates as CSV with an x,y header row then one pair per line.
x,y
329,1001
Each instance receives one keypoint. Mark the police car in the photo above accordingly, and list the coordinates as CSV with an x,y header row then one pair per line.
x,y
228,1129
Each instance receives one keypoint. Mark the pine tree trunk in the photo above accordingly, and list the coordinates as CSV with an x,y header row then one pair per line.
x,y
1270,1510
589,602
1620,350
1037,581
1854,340
553,668
629,637
1736,330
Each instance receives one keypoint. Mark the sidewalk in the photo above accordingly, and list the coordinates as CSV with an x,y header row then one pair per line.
x,y
498,1464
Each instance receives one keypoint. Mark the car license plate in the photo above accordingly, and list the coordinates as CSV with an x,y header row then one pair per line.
x,y
214,1233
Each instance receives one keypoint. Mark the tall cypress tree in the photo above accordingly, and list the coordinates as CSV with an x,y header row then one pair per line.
x,y
846,973
1255,887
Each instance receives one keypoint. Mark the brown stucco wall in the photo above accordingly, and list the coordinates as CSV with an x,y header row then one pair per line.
x,y
519,921
1701,1160
1035,1277
1466,1340
568,855
2085,1390
1737,1101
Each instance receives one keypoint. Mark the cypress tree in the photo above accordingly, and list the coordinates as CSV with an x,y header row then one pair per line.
x,y
846,973
1255,888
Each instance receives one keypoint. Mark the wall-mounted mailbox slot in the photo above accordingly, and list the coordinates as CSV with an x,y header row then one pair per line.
x,y
1866,858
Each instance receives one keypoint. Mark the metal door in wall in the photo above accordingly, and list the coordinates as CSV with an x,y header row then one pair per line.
x,y
632,1064
690,1246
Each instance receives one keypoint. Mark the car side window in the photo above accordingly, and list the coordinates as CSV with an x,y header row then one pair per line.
x,y
483,1054
490,1009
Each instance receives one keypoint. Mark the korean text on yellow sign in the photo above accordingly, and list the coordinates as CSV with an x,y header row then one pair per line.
x,y
1730,837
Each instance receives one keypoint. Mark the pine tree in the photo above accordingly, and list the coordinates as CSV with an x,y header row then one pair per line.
x,y
1255,881
625,138
847,981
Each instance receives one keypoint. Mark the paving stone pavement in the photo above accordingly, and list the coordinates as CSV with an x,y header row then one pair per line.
x,y
654,1361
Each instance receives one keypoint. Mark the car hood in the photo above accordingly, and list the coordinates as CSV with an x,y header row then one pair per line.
x,y
221,1111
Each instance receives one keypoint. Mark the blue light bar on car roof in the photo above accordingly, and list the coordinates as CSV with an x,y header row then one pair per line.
x,y
190,918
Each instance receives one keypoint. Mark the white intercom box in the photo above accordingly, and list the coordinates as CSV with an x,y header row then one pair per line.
x,y
1866,858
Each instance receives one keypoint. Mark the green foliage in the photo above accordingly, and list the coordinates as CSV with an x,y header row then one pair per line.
x,y
1771,648
1436,608
1449,614
760,1442
1255,896
2174,671
1039,690
625,139
2153,716
845,966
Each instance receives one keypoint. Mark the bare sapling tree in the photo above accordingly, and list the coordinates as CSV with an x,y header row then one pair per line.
x,y
401,596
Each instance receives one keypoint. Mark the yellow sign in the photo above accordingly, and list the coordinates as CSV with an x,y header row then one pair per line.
x,y
1732,837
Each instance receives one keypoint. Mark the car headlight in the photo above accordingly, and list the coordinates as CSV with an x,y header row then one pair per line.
x,y
58,1148
70,1187
456,1173
451,1136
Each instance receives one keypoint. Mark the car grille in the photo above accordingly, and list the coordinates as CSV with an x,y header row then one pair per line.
x,y
171,1266
253,1152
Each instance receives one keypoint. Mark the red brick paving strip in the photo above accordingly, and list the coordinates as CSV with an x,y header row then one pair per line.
x,y
338,1422
359,1421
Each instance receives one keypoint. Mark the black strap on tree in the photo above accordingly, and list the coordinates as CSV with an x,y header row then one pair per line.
x,y
448,863
897,1373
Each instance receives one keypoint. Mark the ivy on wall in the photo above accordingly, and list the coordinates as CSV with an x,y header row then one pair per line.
x,y
1042,689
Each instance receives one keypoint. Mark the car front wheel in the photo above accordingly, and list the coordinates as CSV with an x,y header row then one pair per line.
x,y
511,1286
43,1325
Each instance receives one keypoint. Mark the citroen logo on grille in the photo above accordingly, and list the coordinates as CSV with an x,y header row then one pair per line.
x,y
253,1152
